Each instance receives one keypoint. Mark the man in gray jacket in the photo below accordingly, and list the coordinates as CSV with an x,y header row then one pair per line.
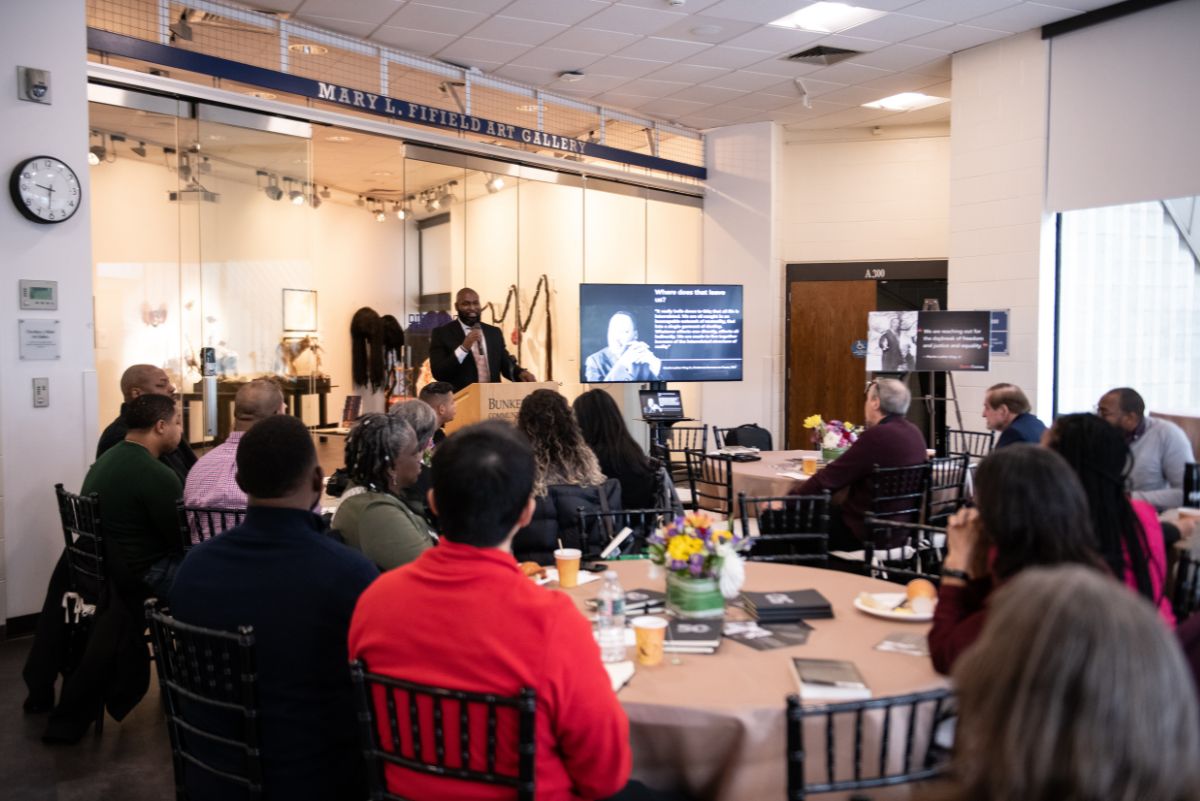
x,y
1160,448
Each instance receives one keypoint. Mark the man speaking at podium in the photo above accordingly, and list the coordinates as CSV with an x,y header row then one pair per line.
x,y
466,351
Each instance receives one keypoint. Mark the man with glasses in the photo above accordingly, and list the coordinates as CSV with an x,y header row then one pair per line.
x,y
146,379
1160,448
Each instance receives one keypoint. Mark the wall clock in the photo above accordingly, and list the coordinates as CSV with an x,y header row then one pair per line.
x,y
45,189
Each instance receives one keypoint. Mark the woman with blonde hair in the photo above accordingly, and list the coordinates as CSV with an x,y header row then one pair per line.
x,y
1074,691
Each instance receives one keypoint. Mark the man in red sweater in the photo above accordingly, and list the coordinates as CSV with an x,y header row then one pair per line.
x,y
463,616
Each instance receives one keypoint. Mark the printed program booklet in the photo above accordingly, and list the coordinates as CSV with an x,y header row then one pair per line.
x,y
829,680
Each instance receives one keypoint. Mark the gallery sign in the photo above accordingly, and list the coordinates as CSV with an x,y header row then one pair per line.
x,y
372,103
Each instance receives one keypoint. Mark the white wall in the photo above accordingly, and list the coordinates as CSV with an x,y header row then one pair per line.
x,y
1001,241
740,248
40,447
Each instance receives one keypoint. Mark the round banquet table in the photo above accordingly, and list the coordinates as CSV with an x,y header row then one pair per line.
x,y
713,725
763,479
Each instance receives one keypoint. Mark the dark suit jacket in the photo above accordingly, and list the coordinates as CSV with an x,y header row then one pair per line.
x,y
893,442
446,366
893,359
1024,428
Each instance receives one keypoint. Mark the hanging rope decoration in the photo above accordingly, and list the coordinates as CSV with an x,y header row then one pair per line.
x,y
523,325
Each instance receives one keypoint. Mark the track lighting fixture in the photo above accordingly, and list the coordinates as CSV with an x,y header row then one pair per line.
x,y
140,150
325,193
314,198
380,216
97,153
294,195
272,189
447,197
399,211
205,166
360,202
494,184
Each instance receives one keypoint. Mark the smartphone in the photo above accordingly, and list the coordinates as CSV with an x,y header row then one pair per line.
x,y
594,567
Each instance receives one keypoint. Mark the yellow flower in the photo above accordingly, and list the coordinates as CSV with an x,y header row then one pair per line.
x,y
681,548
697,520
849,426
813,421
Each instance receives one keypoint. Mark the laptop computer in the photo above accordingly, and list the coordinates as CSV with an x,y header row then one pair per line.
x,y
661,404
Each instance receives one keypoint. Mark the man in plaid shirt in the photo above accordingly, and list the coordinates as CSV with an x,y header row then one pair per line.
x,y
211,480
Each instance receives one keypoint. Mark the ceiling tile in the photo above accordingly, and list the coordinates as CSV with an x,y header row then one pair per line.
x,y
884,5
349,27
859,43
431,18
760,11
921,116
625,67
1025,17
566,12
775,40
692,5
530,76
855,117
1083,5
687,73
726,29
630,19
942,67
371,12
591,84
671,107
897,27
589,40
958,37
898,82
816,87
276,5
479,6
757,101
729,57
744,81
516,31
898,57
956,10
855,95
553,58
707,94
652,88
412,40
847,72
665,50
800,112
623,99
471,51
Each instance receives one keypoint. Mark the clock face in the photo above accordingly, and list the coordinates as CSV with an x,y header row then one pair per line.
x,y
45,189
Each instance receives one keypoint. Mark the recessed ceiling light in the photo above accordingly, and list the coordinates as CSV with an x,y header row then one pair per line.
x,y
906,101
308,49
828,17
571,76
527,107
339,138
262,95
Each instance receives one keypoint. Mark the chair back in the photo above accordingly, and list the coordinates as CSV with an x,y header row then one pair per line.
x,y
209,687
750,435
975,444
918,550
602,526
679,440
793,529
85,547
947,488
897,494
712,482
456,717
868,730
200,523
1185,595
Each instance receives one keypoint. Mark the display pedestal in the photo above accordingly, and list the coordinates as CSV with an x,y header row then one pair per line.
x,y
492,401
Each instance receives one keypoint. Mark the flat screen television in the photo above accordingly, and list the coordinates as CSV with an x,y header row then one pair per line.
x,y
634,333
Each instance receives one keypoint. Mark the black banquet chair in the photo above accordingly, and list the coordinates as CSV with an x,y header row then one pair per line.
x,y
924,550
460,757
793,529
974,444
1185,594
868,732
209,685
598,528
947,488
712,482
897,495
200,523
750,435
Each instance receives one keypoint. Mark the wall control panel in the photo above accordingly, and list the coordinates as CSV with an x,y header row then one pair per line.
x,y
41,393
39,295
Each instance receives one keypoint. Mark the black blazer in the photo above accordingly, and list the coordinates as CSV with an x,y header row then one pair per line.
x,y
446,366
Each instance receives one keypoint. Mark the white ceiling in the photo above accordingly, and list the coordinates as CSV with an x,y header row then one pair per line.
x,y
645,56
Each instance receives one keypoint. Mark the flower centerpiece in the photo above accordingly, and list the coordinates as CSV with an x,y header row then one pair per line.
x,y
834,437
702,563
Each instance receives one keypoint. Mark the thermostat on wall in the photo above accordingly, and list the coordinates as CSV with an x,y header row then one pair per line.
x,y
39,295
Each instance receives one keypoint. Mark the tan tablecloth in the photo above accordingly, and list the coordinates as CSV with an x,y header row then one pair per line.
x,y
762,478
713,725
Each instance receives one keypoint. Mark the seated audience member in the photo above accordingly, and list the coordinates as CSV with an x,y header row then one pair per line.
x,y
1127,532
440,397
297,587
620,457
889,441
424,422
383,457
1006,409
1160,448
138,495
136,381
1073,691
413,624
567,477
212,480
1030,510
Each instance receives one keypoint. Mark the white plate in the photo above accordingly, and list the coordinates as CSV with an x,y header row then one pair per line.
x,y
888,600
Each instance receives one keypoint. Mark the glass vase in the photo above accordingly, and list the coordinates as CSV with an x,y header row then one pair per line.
x,y
690,597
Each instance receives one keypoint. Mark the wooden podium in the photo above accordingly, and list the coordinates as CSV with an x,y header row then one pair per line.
x,y
492,401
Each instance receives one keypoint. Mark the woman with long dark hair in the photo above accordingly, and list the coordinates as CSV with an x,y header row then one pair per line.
x,y
1030,510
1127,531
620,457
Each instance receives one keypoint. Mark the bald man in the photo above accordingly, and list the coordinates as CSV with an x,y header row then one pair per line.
x,y
467,350
146,379
213,480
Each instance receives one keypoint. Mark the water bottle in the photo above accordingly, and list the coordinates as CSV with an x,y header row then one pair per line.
x,y
1191,485
610,619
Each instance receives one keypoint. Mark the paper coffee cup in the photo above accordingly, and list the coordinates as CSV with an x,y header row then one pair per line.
x,y
567,561
649,631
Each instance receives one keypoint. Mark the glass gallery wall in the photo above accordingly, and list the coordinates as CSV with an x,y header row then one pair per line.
x,y
225,228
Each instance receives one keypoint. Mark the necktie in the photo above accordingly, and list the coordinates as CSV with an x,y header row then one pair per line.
x,y
481,364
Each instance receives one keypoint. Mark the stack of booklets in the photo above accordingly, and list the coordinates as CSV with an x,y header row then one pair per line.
x,y
829,680
786,606
694,636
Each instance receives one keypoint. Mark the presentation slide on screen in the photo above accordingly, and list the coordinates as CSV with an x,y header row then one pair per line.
x,y
953,340
660,332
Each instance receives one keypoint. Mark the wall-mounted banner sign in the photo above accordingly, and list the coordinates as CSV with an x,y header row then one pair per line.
x,y
371,103
953,340
999,332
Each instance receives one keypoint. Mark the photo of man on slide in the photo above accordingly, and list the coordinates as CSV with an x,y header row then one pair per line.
x,y
626,358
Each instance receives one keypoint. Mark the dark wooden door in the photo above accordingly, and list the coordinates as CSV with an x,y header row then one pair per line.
x,y
824,377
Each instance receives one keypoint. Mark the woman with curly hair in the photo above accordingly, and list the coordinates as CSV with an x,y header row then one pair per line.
x,y
383,457
568,477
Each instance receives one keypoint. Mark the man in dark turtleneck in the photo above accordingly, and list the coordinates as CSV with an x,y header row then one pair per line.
x,y
146,379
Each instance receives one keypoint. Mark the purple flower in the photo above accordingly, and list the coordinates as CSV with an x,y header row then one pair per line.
x,y
696,565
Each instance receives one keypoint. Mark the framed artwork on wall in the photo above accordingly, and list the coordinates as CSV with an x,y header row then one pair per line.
x,y
299,311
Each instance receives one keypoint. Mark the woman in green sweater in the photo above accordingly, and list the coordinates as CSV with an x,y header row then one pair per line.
x,y
383,457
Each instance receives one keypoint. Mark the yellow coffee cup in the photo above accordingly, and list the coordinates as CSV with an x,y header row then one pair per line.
x,y
567,561
649,632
